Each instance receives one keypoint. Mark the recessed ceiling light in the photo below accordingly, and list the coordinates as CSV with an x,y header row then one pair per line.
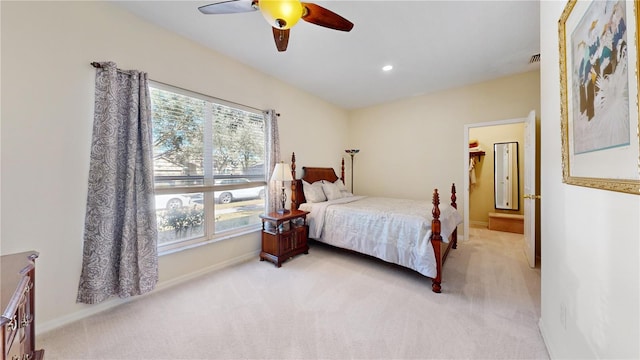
x,y
387,68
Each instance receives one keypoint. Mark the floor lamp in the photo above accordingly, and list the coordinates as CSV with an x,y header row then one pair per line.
x,y
282,173
352,152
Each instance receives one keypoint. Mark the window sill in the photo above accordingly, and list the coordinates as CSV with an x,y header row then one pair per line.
x,y
196,243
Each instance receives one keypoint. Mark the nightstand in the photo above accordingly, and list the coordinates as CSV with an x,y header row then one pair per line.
x,y
283,236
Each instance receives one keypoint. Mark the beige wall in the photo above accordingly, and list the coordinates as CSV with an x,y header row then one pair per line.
x,y
411,146
590,252
481,195
47,117
47,108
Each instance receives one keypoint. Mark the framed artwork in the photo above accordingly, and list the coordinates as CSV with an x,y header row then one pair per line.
x,y
599,94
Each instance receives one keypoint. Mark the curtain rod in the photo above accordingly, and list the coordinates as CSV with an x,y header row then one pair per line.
x,y
97,65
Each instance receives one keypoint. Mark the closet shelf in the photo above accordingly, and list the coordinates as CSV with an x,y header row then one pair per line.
x,y
478,154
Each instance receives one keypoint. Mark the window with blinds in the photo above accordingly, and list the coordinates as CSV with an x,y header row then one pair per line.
x,y
209,167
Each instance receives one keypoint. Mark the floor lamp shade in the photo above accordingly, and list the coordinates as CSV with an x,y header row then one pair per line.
x,y
282,173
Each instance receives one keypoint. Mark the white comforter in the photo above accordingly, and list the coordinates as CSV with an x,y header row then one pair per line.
x,y
394,230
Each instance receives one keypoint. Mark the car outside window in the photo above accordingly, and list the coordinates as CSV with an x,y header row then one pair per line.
x,y
228,196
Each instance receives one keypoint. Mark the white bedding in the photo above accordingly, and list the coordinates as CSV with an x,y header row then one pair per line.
x,y
394,230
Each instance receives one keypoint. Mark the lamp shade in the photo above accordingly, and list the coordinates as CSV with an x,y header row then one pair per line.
x,y
282,172
281,14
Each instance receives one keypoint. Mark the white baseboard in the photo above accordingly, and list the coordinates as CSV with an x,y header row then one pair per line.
x,y
42,328
547,343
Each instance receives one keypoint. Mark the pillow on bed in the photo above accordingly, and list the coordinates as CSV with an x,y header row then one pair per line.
x,y
332,190
340,185
343,189
313,192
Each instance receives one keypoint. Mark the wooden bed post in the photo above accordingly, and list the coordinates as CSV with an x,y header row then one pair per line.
x,y
454,235
453,196
342,172
436,241
294,200
293,165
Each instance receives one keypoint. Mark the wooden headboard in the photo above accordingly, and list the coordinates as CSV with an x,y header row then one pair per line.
x,y
310,175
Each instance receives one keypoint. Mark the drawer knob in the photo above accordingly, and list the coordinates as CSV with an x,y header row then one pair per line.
x,y
27,320
13,324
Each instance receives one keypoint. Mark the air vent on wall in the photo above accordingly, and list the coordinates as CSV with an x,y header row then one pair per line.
x,y
534,59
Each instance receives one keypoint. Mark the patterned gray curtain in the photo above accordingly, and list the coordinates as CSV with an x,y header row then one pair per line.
x,y
273,156
120,237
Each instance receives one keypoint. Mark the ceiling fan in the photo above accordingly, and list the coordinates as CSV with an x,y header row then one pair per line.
x,y
282,15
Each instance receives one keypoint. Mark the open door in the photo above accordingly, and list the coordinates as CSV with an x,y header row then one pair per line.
x,y
530,196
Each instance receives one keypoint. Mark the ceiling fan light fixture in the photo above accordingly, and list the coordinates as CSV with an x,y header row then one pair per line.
x,y
281,14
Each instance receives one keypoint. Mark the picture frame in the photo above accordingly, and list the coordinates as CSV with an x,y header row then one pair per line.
x,y
598,44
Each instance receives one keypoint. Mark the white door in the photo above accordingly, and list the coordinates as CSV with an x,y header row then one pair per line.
x,y
530,196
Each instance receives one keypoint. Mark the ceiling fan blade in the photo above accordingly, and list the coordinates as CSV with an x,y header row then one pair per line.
x,y
281,37
229,7
318,15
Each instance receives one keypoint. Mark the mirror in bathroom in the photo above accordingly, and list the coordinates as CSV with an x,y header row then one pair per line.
x,y
505,177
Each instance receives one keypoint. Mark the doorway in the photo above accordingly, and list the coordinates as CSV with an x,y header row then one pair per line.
x,y
519,130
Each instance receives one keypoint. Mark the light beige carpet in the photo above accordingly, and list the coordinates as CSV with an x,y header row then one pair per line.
x,y
328,304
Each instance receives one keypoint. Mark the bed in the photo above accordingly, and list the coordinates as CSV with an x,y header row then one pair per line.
x,y
398,231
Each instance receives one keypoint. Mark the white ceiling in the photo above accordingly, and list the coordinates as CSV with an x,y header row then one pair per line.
x,y
433,45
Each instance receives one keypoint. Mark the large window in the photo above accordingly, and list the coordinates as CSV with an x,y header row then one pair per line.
x,y
209,166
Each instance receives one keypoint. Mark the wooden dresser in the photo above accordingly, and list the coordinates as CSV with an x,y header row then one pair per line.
x,y
17,296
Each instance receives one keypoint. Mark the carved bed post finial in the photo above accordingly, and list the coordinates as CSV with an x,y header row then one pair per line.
x,y
436,201
453,196
294,200
436,241
293,165
342,171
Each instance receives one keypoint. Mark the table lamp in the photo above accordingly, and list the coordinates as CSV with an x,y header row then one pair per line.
x,y
282,173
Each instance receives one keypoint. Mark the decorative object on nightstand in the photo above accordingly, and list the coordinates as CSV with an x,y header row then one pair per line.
x,y
352,152
284,236
282,173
